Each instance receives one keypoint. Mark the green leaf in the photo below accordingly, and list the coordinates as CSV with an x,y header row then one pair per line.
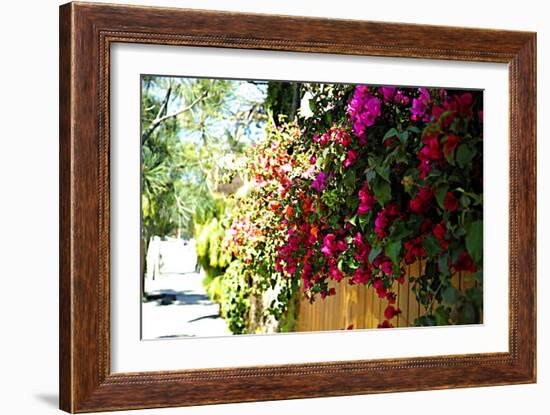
x,y
426,320
363,221
441,316
464,155
450,295
374,252
474,240
403,137
374,161
384,172
479,275
464,201
431,245
392,251
442,262
350,180
450,158
440,195
392,132
456,250
352,202
475,294
371,174
413,129
467,314
459,232
382,191
400,230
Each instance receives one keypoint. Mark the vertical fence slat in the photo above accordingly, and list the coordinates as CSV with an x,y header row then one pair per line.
x,y
362,307
421,270
376,310
405,288
412,311
368,308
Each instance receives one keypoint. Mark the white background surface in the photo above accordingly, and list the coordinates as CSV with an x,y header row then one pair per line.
x,y
129,354
28,212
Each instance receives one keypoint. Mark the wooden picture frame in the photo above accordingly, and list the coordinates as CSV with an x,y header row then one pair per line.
x,y
86,33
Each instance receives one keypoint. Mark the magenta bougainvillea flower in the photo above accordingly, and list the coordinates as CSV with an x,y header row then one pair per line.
x,y
388,93
465,262
422,201
363,109
384,218
451,202
440,233
450,144
420,105
391,311
366,200
385,325
351,157
414,250
320,181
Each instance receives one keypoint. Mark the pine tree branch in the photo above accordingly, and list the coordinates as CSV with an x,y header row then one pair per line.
x,y
159,119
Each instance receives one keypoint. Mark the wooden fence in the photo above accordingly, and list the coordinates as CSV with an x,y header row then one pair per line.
x,y
360,307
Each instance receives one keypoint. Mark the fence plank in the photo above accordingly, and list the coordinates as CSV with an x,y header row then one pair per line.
x,y
359,305
403,303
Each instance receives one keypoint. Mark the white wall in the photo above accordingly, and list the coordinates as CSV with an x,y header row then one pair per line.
x,y
28,208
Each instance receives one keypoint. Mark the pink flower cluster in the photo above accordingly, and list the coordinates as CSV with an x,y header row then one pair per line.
x,y
363,109
451,202
459,104
450,144
384,219
334,135
440,232
351,157
287,261
419,109
464,262
391,94
320,181
430,152
444,114
366,200
331,246
363,273
422,202
242,230
414,250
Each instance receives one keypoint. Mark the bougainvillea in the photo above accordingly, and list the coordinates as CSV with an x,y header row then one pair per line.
x,y
378,178
258,230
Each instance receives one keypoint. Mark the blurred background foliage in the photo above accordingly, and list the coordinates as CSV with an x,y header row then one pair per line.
x,y
192,130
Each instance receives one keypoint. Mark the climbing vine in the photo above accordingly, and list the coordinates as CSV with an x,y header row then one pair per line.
x,y
375,179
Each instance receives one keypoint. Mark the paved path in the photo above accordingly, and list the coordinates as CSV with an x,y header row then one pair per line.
x,y
178,306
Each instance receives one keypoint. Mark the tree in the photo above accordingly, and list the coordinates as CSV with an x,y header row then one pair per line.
x,y
191,130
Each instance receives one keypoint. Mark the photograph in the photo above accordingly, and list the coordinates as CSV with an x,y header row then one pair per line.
x,y
272,206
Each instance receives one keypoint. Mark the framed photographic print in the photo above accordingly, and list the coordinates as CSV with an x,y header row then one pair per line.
x,y
260,207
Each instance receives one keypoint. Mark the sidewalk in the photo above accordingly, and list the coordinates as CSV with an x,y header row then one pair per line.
x,y
178,306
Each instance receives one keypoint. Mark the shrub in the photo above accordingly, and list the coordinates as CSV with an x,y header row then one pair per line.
x,y
376,178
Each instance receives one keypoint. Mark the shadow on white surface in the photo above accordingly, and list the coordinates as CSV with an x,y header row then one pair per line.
x,y
50,399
